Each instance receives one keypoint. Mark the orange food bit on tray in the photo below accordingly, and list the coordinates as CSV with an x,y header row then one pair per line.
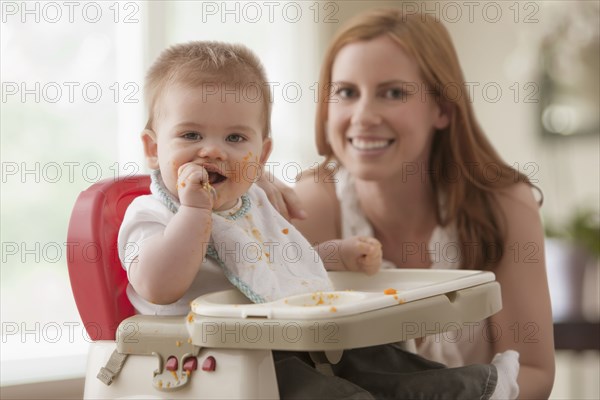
x,y
333,309
389,291
285,231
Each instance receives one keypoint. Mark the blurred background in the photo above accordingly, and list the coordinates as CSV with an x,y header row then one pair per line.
x,y
72,111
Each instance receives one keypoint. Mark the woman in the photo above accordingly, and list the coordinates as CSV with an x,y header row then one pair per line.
x,y
409,165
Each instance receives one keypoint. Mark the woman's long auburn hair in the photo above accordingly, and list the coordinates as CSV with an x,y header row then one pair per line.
x,y
469,199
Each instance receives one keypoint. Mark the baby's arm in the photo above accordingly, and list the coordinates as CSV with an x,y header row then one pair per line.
x,y
357,253
168,262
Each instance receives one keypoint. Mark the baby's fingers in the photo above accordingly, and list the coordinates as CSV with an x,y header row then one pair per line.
x,y
370,241
191,173
372,256
368,246
193,186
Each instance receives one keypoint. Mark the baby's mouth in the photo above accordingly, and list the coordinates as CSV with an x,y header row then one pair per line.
x,y
215,178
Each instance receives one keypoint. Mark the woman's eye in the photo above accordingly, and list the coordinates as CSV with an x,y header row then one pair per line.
x,y
234,137
395,93
191,136
345,92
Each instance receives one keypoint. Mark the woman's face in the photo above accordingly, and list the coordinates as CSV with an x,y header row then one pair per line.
x,y
381,115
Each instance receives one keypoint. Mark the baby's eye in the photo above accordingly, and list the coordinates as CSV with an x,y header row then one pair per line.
x,y
191,136
394,94
234,137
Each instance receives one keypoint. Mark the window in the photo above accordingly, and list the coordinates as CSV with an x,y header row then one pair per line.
x,y
71,95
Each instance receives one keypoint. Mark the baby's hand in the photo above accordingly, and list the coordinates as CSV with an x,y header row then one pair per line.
x,y
360,253
193,187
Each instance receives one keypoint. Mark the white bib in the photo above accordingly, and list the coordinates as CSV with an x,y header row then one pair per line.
x,y
260,252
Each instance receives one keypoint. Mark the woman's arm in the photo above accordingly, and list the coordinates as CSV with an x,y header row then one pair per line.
x,y
525,322
319,200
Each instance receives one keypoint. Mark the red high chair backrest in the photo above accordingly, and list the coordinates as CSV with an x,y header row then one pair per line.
x,y
98,279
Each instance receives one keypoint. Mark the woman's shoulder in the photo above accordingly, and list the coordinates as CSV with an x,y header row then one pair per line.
x,y
521,222
317,182
519,198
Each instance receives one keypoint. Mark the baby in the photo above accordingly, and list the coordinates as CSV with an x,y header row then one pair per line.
x,y
207,226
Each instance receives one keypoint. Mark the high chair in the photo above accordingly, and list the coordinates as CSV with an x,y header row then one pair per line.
x,y
222,348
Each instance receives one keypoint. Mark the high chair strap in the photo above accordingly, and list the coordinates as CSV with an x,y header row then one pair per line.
x,y
112,368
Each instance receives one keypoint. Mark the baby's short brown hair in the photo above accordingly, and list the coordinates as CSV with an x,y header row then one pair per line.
x,y
213,65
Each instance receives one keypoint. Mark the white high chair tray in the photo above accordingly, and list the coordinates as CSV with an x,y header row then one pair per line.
x,y
354,293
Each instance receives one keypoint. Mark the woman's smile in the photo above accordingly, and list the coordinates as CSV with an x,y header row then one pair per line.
x,y
366,144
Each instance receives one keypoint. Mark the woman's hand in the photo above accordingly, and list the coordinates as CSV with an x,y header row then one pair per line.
x,y
281,196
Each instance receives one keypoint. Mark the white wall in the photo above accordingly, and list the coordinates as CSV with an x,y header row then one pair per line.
x,y
506,53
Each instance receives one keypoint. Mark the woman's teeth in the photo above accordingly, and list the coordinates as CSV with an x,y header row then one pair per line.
x,y
362,144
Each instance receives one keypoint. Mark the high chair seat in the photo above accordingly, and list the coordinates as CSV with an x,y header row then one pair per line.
x,y
97,278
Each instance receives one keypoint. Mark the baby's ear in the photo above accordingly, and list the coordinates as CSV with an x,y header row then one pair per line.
x,y
266,150
150,148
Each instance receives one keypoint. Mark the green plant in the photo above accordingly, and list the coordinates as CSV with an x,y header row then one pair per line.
x,y
583,229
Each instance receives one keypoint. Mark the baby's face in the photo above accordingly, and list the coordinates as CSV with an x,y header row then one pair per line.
x,y
222,131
